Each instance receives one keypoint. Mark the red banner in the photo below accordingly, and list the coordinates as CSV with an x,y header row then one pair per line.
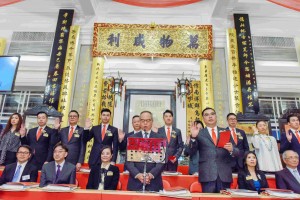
x,y
291,4
157,3
8,2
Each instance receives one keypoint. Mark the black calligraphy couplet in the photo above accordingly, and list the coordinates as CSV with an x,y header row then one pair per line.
x,y
246,62
57,59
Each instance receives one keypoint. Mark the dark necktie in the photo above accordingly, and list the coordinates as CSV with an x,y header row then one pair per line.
x,y
57,172
146,135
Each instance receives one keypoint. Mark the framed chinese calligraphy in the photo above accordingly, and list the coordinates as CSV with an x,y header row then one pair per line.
x,y
57,59
155,101
193,107
246,63
144,40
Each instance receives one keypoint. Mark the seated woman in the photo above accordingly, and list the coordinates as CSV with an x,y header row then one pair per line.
x,y
266,148
251,178
104,176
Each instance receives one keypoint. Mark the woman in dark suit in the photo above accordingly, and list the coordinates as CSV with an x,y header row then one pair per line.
x,y
104,176
251,178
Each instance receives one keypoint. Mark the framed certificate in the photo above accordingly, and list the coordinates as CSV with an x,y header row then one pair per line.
x,y
155,101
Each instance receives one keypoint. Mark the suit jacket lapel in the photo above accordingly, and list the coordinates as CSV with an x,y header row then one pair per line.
x,y
107,129
63,171
139,134
251,180
206,134
293,136
53,171
164,131
35,133
151,135
107,177
25,171
12,173
291,176
45,130
72,138
65,134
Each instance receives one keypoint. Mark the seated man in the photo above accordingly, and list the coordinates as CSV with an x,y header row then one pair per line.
x,y
58,171
289,177
22,170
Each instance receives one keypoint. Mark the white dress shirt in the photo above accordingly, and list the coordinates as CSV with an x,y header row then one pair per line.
x,y
210,131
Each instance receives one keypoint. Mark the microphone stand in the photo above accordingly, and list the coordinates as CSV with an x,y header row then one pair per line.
x,y
145,172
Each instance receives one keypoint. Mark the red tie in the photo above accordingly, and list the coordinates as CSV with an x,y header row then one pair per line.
x,y
297,135
71,133
234,136
39,133
214,136
103,131
169,134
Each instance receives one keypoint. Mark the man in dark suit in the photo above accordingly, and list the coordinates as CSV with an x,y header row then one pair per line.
x,y
291,139
123,138
58,171
214,163
41,139
136,124
174,141
103,134
72,137
22,170
289,177
240,141
153,178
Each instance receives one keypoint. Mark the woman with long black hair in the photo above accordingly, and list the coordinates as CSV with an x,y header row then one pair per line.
x,y
10,139
251,178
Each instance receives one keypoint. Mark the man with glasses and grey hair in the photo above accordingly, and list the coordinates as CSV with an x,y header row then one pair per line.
x,y
153,177
22,170
289,177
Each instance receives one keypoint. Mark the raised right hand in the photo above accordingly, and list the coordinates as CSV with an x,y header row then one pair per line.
x,y
255,130
88,123
194,130
289,136
155,129
22,130
57,123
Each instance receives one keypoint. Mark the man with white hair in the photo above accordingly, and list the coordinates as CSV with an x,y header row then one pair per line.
x,y
289,177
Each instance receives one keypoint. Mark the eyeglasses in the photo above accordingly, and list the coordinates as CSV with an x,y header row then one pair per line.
x,y
208,114
292,157
232,119
23,153
146,120
73,116
59,152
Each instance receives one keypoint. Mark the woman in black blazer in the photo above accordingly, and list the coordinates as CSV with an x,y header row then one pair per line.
x,y
104,176
251,178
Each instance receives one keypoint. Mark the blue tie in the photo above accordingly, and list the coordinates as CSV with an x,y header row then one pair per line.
x,y
57,172
17,174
